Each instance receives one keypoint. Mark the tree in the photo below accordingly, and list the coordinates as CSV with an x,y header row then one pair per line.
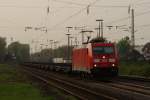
x,y
46,55
19,51
2,48
146,47
25,52
124,47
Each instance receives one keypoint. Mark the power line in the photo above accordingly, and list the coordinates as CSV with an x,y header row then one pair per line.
x,y
110,6
22,6
119,20
141,3
75,14
68,2
143,13
105,6
141,26
125,18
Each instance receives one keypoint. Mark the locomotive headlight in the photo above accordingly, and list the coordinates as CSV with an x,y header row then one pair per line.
x,y
103,57
95,65
112,60
113,65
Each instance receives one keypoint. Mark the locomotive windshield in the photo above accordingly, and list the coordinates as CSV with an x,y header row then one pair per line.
x,y
103,50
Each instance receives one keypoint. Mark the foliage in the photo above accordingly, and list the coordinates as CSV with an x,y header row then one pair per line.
x,y
135,68
127,52
2,48
146,46
15,86
46,55
134,55
20,91
62,51
124,47
146,51
19,51
9,73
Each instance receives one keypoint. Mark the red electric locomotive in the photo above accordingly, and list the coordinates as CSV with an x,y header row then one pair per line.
x,y
96,59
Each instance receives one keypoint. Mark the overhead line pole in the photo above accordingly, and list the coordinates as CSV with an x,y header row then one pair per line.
x,y
100,27
68,46
132,28
68,34
82,32
51,47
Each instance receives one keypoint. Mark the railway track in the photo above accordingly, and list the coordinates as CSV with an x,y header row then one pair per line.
x,y
125,91
132,85
134,78
76,90
87,90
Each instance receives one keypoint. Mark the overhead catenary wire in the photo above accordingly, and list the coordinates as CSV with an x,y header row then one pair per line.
x,y
73,15
74,3
64,7
68,2
21,6
81,4
118,20
125,18
83,10
143,26
135,16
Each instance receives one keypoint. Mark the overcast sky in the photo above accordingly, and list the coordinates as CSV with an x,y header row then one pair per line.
x,y
15,15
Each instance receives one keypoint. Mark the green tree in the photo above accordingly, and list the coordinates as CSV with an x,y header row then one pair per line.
x,y
2,48
46,55
19,51
25,52
124,47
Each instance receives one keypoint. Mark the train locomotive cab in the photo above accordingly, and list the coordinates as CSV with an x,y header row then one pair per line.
x,y
105,59
100,59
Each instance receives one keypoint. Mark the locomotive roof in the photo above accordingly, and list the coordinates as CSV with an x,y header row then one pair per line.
x,y
94,44
102,44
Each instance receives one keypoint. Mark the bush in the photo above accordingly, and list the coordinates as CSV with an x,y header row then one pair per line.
x,y
135,68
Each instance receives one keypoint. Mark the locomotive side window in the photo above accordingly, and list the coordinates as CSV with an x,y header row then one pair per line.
x,y
103,50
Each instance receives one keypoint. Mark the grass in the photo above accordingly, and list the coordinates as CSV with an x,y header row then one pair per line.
x,y
9,74
20,91
135,68
14,86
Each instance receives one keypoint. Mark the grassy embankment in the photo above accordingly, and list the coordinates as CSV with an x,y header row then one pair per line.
x,y
135,68
16,86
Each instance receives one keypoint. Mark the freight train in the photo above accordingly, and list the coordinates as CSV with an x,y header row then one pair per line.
x,y
94,59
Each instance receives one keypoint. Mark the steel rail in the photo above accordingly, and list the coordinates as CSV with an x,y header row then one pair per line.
x,y
124,86
84,91
136,89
